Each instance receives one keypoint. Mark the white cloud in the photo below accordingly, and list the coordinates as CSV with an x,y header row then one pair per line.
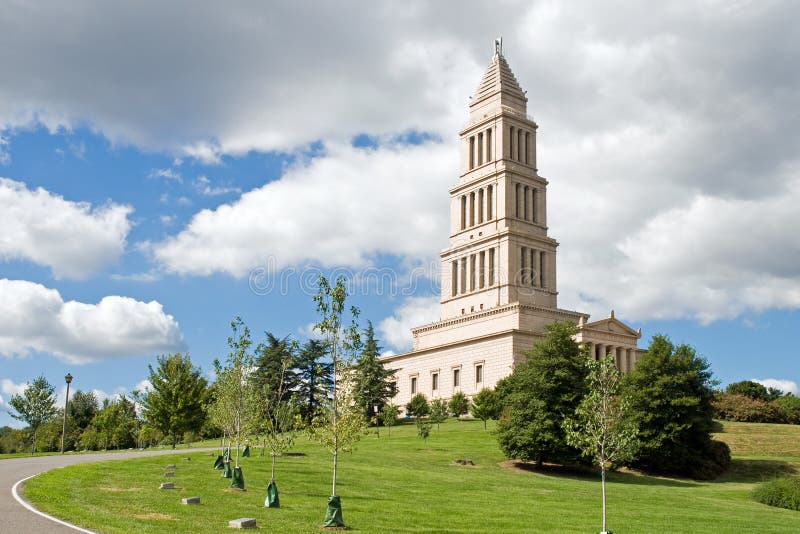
x,y
413,312
203,186
167,174
36,318
336,210
5,156
143,386
787,386
74,239
9,388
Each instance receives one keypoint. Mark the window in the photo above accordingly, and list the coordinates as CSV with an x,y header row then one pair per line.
x,y
480,206
413,385
511,143
456,378
454,280
472,152
489,145
435,381
480,148
463,211
472,209
478,374
491,266
489,201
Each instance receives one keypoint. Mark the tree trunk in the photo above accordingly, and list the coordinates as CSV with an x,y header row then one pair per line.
x,y
603,483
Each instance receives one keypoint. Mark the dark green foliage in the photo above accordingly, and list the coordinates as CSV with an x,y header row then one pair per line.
x,y
83,407
754,390
314,378
275,359
35,406
790,406
418,407
176,403
734,407
539,394
781,492
459,404
113,427
672,399
374,383
486,405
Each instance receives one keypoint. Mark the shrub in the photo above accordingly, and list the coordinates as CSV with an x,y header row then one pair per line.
x,y
782,492
418,407
735,407
790,406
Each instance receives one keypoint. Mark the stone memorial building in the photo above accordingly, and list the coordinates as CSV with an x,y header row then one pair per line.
x,y
498,285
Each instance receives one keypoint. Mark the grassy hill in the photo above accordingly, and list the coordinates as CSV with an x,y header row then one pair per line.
x,y
404,484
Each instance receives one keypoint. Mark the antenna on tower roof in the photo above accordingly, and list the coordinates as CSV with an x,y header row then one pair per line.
x,y
498,46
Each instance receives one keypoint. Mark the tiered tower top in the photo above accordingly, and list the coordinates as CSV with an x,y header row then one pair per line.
x,y
498,90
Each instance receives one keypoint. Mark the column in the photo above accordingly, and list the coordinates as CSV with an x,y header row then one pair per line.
x,y
601,351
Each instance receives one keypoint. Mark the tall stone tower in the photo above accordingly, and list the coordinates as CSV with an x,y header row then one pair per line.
x,y
499,287
499,248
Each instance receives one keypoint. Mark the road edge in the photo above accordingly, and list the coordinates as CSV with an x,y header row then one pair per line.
x,y
31,508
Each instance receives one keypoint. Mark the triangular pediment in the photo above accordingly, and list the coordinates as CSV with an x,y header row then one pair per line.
x,y
611,324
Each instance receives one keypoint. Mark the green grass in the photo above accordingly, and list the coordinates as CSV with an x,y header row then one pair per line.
x,y
403,484
181,446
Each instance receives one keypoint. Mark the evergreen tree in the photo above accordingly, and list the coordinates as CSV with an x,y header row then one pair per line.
x,y
374,384
35,406
176,402
418,406
314,378
539,394
274,364
671,398
486,405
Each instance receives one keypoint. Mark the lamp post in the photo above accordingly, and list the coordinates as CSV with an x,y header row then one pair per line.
x,y
68,378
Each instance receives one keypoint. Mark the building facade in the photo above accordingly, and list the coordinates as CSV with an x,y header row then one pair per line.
x,y
498,285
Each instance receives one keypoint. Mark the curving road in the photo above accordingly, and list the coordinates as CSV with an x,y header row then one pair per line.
x,y
15,518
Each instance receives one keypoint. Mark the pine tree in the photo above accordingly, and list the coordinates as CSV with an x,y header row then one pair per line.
x,y
374,384
314,378
274,364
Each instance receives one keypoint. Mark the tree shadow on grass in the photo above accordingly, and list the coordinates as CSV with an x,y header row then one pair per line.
x,y
576,472
746,470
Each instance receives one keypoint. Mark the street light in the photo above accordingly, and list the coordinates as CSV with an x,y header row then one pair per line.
x,y
68,378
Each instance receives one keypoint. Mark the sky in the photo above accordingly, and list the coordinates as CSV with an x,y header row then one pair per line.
x,y
167,167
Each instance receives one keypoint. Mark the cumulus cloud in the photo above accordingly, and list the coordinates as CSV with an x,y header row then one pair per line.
x,y
9,388
73,239
414,311
37,319
787,386
337,210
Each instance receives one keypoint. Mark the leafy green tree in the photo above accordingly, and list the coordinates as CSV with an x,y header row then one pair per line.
x,y
175,404
486,405
35,406
602,427
115,424
418,406
83,406
790,406
439,412
754,390
314,378
671,398
389,415
274,374
423,428
373,383
537,396
459,404
343,423
233,409
734,407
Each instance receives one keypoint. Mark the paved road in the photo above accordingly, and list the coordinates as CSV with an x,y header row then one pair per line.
x,y
15,518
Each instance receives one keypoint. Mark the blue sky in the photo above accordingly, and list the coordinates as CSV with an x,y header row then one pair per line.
x,y
156,184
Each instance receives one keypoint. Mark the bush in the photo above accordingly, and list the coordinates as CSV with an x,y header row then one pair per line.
x,y
781,492
735,407
418,407
790,406
717,461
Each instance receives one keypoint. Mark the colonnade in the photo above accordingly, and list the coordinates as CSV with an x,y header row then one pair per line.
x,y
477,207
473,272
624,357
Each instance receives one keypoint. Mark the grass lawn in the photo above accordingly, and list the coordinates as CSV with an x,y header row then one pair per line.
x,y
403,484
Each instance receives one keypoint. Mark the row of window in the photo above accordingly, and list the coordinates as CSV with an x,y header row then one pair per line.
x,y
526,200
519,145
480,148
483,199
473,272
456,380
532,264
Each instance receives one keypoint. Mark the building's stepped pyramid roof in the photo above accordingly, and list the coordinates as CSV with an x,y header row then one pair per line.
x,y
498,78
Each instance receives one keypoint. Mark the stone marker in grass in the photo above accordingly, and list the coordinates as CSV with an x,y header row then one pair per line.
x,y
169,474
245,522
171,466
167,485
190,500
